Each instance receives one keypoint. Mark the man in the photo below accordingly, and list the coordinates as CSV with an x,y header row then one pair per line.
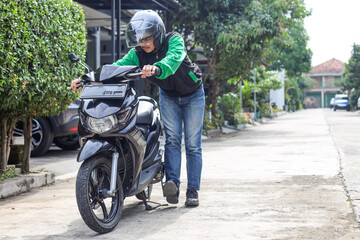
x,y
164,61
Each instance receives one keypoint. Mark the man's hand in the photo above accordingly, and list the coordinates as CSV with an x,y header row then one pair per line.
x,y
73,84
149,70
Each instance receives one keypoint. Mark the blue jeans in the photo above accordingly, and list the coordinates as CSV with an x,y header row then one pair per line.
x,y
190,111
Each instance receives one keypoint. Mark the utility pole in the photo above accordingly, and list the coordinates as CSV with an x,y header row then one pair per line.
x,y
254,90
241,107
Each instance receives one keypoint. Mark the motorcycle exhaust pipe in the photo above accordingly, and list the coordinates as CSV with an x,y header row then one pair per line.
x,y
114,166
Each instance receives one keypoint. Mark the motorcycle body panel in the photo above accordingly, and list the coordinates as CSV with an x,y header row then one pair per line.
x,y
138,135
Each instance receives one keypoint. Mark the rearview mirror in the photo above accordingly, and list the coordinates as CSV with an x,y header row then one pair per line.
x,y
73,58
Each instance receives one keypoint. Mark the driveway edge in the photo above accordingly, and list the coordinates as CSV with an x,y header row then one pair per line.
x,y
18,185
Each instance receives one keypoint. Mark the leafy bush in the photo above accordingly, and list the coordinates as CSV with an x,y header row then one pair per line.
x,y
8,173
354,97
213,122
229,104
241,118
36,37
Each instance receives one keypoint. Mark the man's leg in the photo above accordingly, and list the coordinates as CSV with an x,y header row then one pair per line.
x,y
193,114
171,118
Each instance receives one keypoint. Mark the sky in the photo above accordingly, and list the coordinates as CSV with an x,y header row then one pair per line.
x,y
333,28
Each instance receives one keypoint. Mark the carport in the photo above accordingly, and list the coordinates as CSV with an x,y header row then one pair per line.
x,y
116,14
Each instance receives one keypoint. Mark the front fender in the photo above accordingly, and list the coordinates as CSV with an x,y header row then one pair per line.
x,y
93,147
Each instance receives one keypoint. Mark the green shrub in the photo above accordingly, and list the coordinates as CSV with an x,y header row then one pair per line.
x,y
353,98
229,104
36,37
215,122
8,173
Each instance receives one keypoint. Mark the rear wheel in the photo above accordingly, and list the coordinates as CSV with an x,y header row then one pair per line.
x,y
99,212
42,135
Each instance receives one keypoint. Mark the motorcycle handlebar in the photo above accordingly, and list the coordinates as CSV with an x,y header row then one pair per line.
x,y
80,84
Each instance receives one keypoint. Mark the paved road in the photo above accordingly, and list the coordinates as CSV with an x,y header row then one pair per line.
x,y
280,180
345,129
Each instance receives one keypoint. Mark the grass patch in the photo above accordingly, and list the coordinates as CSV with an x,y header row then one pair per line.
x,y
8,173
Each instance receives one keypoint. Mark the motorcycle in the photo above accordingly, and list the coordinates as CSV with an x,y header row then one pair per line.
x,y
120,150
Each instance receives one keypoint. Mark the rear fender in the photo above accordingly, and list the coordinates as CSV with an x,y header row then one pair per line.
x,y
93,147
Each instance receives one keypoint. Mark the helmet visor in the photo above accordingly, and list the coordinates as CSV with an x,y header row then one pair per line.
x,y
138,30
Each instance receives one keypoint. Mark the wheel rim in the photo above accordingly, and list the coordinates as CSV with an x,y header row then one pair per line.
x,y
37,132
104,209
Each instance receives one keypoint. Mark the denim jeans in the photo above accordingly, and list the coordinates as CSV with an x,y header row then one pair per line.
x,y
176,112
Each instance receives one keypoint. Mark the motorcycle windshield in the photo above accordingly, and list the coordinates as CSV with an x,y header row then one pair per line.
x,y
113,72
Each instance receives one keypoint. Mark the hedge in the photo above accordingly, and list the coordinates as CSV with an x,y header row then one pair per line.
x,y
36,37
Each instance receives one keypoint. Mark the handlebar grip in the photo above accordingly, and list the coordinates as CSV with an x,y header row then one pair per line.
x,y
157,72
134,74
77,86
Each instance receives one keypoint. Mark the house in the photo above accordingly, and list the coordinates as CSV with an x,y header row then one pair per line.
x,y
326,76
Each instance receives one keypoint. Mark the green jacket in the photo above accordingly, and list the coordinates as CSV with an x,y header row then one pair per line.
x,y
179,76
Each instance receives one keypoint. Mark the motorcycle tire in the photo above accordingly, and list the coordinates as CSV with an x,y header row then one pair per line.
x,y
145,194
100,213
42,137
70,142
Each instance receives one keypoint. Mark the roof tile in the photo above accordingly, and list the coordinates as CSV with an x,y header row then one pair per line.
x,y
331,66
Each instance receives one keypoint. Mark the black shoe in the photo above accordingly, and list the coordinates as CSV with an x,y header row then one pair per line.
x,y
171,192
192,198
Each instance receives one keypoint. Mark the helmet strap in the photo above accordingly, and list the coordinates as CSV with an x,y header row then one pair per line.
x,y
157,43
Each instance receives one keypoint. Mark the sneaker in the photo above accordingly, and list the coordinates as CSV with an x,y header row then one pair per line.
x,y
192,198
171,192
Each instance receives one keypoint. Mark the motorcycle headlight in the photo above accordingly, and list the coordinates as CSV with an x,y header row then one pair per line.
x,y
100,125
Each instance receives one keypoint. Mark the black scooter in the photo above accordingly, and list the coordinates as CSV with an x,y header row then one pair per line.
x,y
120,155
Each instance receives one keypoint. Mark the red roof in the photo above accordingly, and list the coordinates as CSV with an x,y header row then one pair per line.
x,y
331,66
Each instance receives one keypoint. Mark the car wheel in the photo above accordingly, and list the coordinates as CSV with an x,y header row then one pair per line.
x,y
334,108
42,135
70,142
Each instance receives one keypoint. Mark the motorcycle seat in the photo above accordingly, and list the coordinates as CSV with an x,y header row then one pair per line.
x,y
145,113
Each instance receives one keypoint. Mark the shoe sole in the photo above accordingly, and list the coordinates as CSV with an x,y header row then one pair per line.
x,y
170,192
191,204
170,189
172,199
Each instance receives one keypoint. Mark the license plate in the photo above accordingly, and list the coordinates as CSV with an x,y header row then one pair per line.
x,y
103,91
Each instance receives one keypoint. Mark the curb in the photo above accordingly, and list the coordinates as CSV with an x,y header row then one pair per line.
x,y
18,185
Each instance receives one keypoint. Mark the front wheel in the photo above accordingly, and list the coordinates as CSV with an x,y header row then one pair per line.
x,y
99,212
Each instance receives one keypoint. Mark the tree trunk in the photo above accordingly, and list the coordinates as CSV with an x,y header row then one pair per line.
x,y
214,93
25,168
4,139
10,136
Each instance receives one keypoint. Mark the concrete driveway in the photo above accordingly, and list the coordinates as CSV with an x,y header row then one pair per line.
x,y
279,180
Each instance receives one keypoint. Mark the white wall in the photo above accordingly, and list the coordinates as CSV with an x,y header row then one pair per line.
x,y
278,96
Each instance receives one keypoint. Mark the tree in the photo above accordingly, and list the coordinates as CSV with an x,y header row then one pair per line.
x,y
234,34
290,53
351,73
36,37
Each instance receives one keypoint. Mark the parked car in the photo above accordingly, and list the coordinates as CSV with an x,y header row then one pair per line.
x,y
60,130
342,102
332,101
